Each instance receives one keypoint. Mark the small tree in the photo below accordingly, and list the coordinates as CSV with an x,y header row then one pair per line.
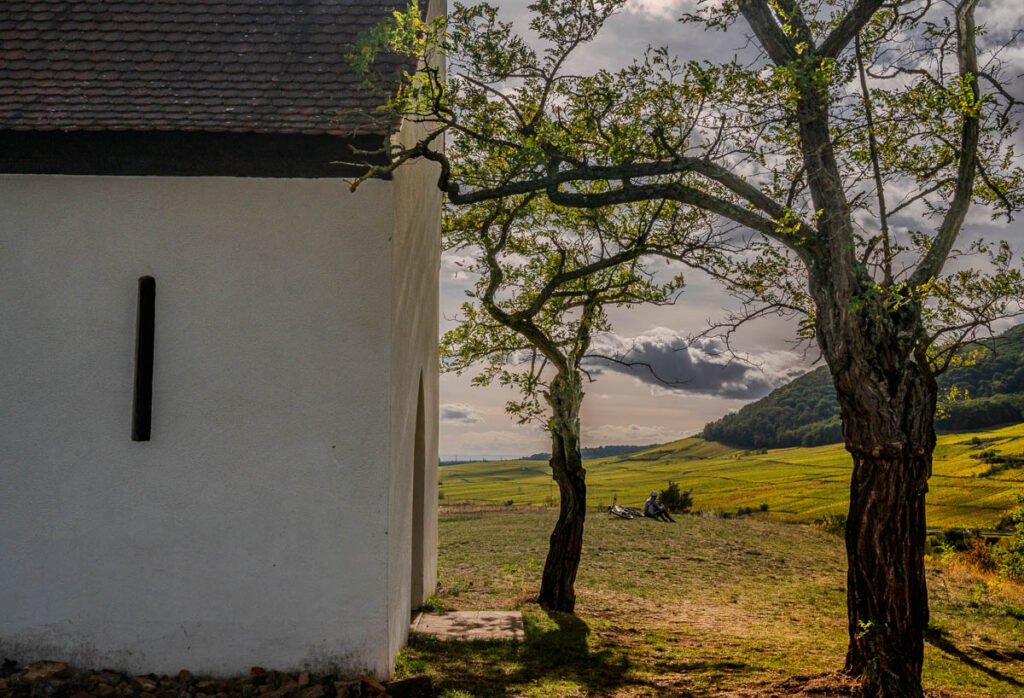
x,y
675,499
545,277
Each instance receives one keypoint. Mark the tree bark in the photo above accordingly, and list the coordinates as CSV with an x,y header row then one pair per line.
x,y
887,599
887,398
557,590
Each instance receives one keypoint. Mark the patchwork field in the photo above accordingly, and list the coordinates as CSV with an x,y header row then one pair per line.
x,y
797,483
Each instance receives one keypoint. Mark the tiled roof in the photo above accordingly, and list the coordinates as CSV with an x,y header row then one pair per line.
x,y
244,66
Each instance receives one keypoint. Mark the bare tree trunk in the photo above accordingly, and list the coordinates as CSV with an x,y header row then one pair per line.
x,y
557,589
887,401
887,600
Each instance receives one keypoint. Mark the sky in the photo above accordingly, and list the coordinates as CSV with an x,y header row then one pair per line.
x,y
632,409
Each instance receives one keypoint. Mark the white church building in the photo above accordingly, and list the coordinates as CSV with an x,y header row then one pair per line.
x,y
218,395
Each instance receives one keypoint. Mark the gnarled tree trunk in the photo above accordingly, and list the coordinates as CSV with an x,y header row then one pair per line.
x,y
887,400
557,589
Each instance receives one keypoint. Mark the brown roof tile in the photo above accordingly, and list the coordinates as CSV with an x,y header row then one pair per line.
x,y
247,66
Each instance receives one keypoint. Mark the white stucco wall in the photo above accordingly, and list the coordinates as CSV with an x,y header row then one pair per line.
x,y
250,530
416,260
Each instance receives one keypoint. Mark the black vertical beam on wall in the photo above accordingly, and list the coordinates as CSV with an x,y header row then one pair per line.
x,y
142,404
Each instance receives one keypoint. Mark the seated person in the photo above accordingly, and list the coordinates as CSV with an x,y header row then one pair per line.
x,y
654,509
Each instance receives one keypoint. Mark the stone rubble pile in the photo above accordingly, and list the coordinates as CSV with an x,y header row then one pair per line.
x,y
48,679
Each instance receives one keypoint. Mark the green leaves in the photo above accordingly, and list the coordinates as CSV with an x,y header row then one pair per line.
x,y
545,277
855,188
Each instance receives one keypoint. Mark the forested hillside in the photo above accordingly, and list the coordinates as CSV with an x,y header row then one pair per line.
x,y
596,452
805,412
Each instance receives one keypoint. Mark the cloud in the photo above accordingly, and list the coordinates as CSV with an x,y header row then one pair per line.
x,y
455,265
460,413
666,359
632,434
1002,16
659,9
514,441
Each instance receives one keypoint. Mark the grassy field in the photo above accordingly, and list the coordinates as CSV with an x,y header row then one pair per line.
x,y
798,483
704,607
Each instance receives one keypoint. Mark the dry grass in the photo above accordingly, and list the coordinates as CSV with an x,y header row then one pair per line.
x,y
751,607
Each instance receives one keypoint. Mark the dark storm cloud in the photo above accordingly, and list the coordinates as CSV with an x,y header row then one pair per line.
x,y
460,414
665,358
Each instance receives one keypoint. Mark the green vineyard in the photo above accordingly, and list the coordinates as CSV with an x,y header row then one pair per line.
x,y
797,483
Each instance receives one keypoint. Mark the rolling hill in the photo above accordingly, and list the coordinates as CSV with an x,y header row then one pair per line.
x,y
804,412
798,483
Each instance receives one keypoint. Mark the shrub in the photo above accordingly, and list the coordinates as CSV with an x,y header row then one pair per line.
x,y
763,507
833,523
977,553
998,463
1011,560
676,500
951,539
432,604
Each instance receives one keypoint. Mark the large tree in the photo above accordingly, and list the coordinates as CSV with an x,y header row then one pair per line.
x,y
544,280
852,139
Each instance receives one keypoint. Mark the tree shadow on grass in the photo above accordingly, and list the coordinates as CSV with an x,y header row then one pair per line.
x,y
939,640
557,652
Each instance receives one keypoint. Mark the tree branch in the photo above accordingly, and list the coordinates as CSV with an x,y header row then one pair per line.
x,y
795,16
848,27
967,55
766,28
674,191
875,166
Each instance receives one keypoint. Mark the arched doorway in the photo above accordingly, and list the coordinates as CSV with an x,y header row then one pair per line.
x,y
419,471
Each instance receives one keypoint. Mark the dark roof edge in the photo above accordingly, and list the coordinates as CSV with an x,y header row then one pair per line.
x,y
181,153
